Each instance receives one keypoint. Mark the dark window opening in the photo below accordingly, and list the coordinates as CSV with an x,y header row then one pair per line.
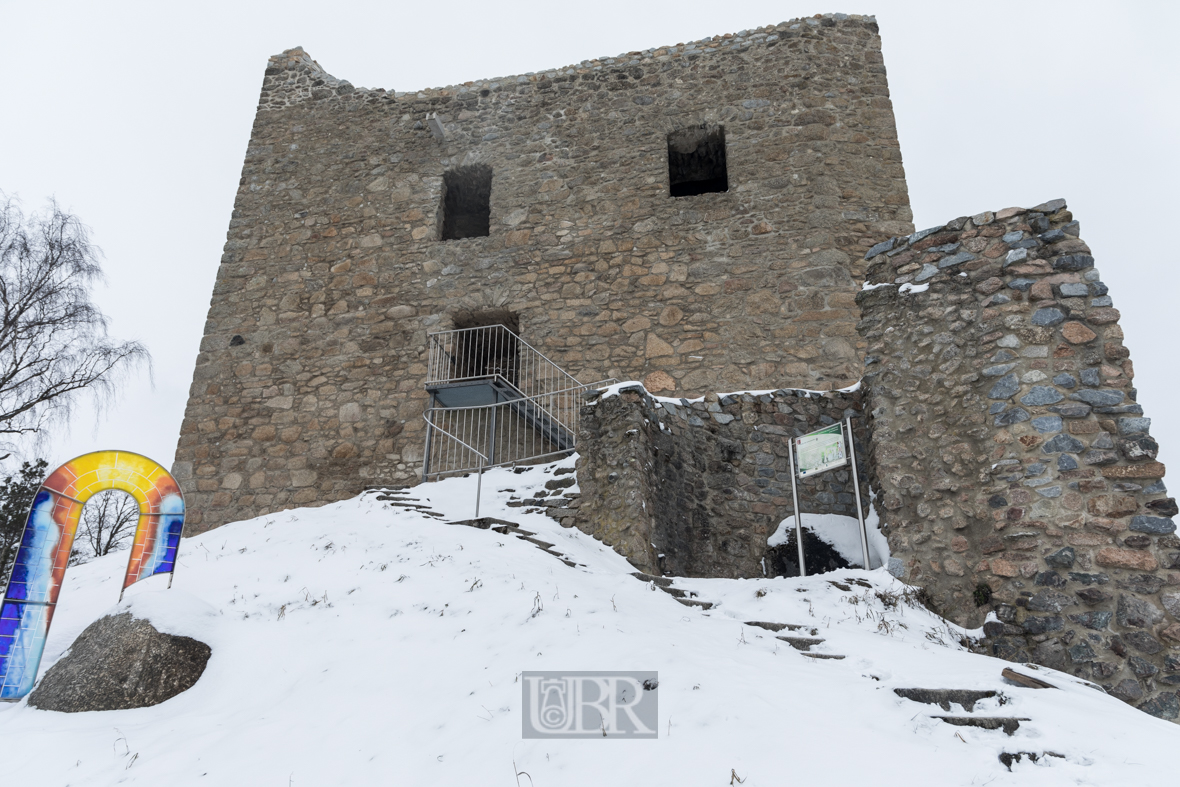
x,y
489,345
466,202
696,161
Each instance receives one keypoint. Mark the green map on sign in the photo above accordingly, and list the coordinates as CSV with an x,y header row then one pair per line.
x,y
820,451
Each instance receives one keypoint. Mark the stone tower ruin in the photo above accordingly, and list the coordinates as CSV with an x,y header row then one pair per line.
x,y
694,216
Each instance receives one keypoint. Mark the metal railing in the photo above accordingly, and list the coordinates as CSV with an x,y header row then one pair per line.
x,y
533,414
492,351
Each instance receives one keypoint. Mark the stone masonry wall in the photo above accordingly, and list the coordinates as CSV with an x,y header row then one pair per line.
x,y
1014,467
309,382
695,489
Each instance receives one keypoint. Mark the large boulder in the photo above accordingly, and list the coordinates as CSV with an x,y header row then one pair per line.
x,y
121,662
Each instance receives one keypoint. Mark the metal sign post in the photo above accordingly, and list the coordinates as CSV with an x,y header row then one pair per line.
x,y
864,534
798,513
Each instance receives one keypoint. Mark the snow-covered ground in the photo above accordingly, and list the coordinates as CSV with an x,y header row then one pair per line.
x,y
362,644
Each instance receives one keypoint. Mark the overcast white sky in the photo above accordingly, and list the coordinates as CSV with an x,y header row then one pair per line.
x,y
136,115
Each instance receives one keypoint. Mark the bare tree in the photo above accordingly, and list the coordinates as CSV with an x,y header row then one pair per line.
x,y
53,340
108,522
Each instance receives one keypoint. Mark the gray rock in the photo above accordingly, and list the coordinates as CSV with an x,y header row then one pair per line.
x,y
1093,620
1050,207
1099,458
1136,612
1152,524
881,247
896,567
998,370
1035,469
1074,290
1171,602
1013,416
1141,667
1071,410
1082,652
1073,262
1014,256
1143,642
1063,443
121,662
1165,705
1013,236
1097,289
1065,380
1062,558
995,407
1066,462
1048,316
1050,601
1008,340
920,234
1091,378
1103,397
1021,284
1157,488
1134,425
1105,300
928,272
722,418
1040,395
957,259
1052,236
1005,388
1103,441
1050,491
1047,424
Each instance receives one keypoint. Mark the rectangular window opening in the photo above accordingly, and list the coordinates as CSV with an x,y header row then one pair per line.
x,y
696,161
466,202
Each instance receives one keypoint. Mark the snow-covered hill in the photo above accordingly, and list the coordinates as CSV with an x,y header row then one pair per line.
x,y
369,644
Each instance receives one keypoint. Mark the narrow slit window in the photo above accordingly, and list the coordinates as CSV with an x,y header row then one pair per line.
x,y
696,161
466,202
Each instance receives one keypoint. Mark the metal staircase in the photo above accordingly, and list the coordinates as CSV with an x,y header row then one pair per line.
x,y
495,400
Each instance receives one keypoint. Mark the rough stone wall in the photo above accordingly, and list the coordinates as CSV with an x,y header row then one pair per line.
x,y
704,484
309,382
1015,469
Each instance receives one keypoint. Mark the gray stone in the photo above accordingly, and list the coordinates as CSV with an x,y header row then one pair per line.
x,y
995,407
1074,290
884,246
1152,524
1157,488
1098,289
121,662
1127,690
1042,625
1005,388
1050,601
1065,380
1048,317
1098,621
1143,642
1050,207
1103,397
1052,236
1141,667
1071,410
1136,612
1103,441
1014,256
1047,424
1129,426
1050,491
1062,558
1041,395
1013,416
1165,705
958,259
998,370
1002,356
722,418
1035,469
1081,652
1008,340
1143,584
1021,284
1089,579
1099,458
1073,262
1091,377
1105,300
998,299
920,234
1066,462
928,272
896,567
1171,602
1013,236
1063,443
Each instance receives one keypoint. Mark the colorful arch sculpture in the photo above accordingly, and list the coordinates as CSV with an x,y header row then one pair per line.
x,y
44,552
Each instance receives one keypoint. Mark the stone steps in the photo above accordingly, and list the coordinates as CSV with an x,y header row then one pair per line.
x,y
802,643
965,698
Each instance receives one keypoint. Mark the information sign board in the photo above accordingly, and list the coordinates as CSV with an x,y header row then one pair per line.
x,y
820,451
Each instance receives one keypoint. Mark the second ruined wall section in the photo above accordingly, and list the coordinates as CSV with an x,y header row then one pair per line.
x,y
1016,472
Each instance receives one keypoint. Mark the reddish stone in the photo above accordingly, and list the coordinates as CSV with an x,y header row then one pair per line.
x,y
1076,333
1141,470
1103,316
1133,559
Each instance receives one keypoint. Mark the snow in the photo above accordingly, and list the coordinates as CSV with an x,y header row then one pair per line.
x,y
842,533
362,644
912,288
867,286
